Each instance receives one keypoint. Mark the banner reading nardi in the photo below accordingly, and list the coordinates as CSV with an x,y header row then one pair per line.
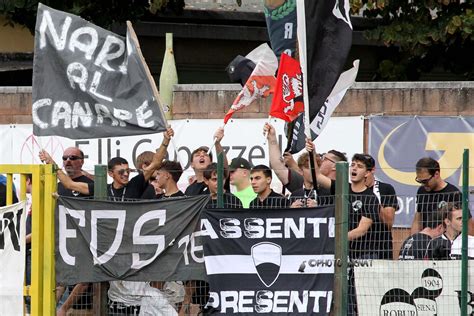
x,y
89,82
269,261
138,241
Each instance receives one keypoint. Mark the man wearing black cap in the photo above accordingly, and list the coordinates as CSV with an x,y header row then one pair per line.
x,y
240,178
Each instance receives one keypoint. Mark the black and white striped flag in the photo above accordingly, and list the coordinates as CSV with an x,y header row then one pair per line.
x,y
270,261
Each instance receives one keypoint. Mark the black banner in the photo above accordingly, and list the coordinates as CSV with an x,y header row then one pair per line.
x,y
89,82
137,241
270,261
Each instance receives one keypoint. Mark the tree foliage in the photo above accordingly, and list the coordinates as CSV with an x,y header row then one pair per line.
x,y
103,13
425,35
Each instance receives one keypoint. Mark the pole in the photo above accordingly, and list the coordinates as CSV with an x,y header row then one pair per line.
x,y
341,242
220,180
100,193
465,219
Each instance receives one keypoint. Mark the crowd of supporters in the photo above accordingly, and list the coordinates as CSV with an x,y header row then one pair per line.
x,y
435,232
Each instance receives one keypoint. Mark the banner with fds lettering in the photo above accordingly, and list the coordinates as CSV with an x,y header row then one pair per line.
x,y
270,261
137,241
12,258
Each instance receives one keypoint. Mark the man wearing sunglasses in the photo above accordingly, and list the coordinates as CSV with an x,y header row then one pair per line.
x,y
122,187
73,160
433,192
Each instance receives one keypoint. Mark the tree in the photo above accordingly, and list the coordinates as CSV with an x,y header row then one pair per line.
x,y
103,13
425,34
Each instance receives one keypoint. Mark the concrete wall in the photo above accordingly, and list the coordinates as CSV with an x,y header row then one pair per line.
x,y
213,101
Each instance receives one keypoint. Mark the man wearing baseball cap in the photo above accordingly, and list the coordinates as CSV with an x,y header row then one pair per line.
x,y
240,178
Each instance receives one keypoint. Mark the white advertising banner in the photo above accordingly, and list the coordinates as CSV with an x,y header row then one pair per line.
x,y
415,287
12,258
243,137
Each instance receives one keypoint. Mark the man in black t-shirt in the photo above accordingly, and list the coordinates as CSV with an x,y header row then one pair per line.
x,y
122,188
73,160
433,194
167,177
387,197
416,246
200,159
261,179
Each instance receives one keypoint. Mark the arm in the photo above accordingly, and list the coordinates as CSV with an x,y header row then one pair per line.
x,y
274,152
361,230
323,181
218,135
67,182
387,215
160,154
72,298
416,225
291,163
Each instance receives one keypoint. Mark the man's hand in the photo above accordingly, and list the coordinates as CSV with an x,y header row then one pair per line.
x,y
219,134
45,157
269,130
309,145
167,135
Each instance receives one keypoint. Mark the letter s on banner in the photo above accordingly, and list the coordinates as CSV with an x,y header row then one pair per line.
x,y
158,240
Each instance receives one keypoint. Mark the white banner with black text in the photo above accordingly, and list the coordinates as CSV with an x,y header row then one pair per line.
x,y
412,287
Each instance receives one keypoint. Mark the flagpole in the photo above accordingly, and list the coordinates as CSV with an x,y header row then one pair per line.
x,y
301,35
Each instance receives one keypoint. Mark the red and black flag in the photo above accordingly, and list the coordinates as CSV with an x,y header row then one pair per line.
x,y
324,40
287,101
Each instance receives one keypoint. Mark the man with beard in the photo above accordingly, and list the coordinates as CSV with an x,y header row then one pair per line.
x,y
122,188
433,193
73,160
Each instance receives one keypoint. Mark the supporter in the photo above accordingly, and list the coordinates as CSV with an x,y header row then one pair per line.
x,y
305,195
433,192
440,248
415,246
456,252
210,179
387,197
143,161
298,179
167,177
364,221
118,169
73,160
200,159
261,179
28,229
240,178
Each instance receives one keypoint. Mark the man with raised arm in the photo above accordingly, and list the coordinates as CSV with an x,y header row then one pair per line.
x,y
118,169
200,159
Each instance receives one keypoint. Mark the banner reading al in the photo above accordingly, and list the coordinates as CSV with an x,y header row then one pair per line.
x,y
398,142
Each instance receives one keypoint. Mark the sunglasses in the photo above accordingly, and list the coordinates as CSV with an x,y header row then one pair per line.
x,y
123,171
328,159
71,157
423,181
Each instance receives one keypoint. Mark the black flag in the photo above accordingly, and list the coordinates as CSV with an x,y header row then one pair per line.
x,y
325,38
